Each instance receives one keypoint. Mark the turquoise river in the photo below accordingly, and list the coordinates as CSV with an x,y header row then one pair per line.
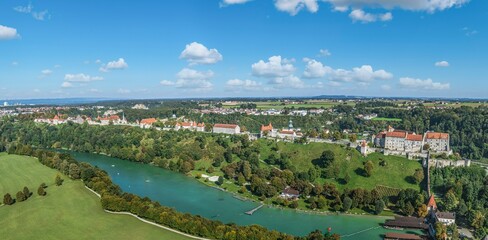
x,y
186,194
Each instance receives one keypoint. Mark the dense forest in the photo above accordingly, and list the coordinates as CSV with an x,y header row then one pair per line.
x,y
464,191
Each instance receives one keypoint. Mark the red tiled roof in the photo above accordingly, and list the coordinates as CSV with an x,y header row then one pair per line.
x,y
266,128
201,125
396,134
381,135
403,236
186,124
219,125
432,202
113,117
414,137
287,132
148,121
436,135
364,144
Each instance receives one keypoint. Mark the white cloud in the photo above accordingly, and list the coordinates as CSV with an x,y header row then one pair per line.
x,y
8,33
246,85
191,79
334,84
167,83
196,53
275,67
427,84
46,72
66,85
364,17
123,91
26,9
291,81
365,73
29,9
315,69
114,65
324,53
14,63
98,61
442,64
412,5
385,87
40,15
469,32
231,2
294,6
81,77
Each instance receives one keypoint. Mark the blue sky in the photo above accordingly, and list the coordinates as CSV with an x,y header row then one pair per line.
x,y
226,48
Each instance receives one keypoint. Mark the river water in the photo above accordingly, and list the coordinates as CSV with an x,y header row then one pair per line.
x,y
187,195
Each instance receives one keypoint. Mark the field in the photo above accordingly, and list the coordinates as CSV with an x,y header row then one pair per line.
x,y
456,104
387,119
67,212
396,173
280,105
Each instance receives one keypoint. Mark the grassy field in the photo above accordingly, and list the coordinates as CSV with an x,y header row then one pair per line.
x,y
387,119
395,174
460,104
67,212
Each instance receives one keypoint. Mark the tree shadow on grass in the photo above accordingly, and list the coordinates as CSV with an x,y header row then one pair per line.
x,y
360,172
410,179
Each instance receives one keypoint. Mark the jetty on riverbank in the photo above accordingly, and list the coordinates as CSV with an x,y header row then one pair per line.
x,y
250,212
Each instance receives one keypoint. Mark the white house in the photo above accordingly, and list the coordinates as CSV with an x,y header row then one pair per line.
x,y
226,128
289,193
446,218
438,142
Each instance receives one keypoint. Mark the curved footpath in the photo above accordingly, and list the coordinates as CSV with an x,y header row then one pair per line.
x,y
148,222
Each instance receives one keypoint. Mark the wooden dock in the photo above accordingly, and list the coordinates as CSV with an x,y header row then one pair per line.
x,y
250,212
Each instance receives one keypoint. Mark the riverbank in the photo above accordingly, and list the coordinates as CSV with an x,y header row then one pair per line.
x,y
146,221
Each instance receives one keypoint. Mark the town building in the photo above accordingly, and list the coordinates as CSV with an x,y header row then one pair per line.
x,y
140,106
290,193
147,122
438,142
413,142
226,128
267,131
431,204
201,127
446,218
186,125
363,148
402,141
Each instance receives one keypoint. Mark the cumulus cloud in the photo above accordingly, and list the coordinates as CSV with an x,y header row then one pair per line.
x,y
191,79
359,15
66,85
412,5
8,33
46,72
119,64
290,81
81,77
365,73
442,64
196,53
294,6
275,67
29,9
246,85
324,53
427,84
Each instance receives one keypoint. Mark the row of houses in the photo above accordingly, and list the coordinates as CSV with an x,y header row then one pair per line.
x,y
288,134
410,142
